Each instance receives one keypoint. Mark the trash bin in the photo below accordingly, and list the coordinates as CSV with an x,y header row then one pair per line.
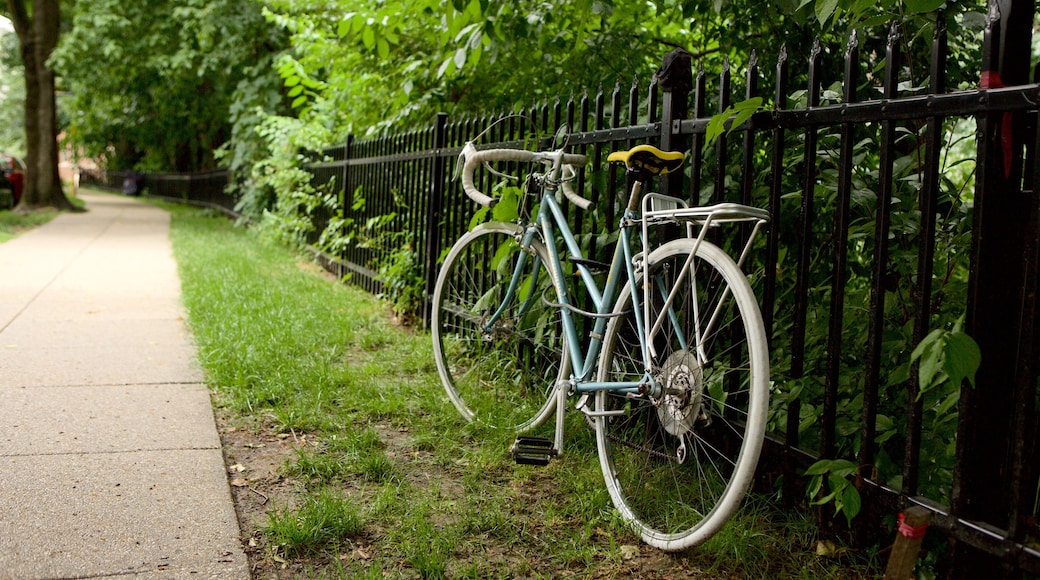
x,y
132,184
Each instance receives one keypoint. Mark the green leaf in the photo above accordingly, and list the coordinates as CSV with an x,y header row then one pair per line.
x,y
478,217
443,68
825,9
744,110
929,365
851,503
929,356
932,337
292,81
923,6
460,58
299,101
740,114
507,208
502,261
962,358
368,37
296,91
716,126
820,467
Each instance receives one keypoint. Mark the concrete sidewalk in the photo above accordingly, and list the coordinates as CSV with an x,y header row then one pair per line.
x,y
110,463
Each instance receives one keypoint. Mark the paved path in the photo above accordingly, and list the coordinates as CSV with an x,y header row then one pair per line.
x,y
110,463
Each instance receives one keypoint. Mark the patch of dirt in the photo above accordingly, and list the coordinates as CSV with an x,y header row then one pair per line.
x,y
254,455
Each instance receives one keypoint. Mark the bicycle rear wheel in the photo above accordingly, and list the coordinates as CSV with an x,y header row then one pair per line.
x,y
505,374
677,465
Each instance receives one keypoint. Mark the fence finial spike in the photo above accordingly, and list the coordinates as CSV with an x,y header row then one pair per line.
x,y
753,61
817,48
894,34
853,43
993,16
782,57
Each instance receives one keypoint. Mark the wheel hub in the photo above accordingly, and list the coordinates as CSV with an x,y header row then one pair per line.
x,y
682,381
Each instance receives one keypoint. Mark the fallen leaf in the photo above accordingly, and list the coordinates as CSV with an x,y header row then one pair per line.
x,y
828,549
237,468
239,482
629,552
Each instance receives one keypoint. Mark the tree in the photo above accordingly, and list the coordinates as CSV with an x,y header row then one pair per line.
x,y
163,79
12,96
37,25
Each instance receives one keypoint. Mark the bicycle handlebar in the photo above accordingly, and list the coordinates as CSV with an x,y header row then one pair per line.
x,y
473,158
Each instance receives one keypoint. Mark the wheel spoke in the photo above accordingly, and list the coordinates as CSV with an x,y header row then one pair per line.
x,y
678,465
500,372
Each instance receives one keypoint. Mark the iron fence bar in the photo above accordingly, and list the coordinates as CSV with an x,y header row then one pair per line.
x,y
805,239
597,161
676,80
612,172
775,193
719,176
876,320
697,147
435,215
927,202
980,535
903,108
840,241
747,161
997,296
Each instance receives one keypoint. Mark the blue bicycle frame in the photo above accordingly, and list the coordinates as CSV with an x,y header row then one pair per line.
x,y
551,220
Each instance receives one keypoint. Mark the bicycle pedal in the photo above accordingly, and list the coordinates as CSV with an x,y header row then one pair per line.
x,y
533,450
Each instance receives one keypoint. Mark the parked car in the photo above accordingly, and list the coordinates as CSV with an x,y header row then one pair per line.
x,y
12,180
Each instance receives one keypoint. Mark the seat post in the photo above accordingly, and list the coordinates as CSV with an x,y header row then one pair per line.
x,y
637,189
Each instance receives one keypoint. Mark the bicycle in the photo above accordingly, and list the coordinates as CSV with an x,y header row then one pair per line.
x,y
676,362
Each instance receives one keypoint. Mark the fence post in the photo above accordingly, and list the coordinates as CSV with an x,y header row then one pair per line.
x,y
675,78
436,212
912,526
1001,314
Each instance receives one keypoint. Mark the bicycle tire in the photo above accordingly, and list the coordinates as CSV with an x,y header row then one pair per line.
x,y
507,377
716,405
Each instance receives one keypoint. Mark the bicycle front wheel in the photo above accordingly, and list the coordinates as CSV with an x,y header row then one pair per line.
x,y
502,372
678,462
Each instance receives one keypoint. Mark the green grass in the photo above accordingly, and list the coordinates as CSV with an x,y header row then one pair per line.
x,y
324,519
285,348
14,223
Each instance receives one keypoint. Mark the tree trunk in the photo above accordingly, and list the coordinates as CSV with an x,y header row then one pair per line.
x,y
38,35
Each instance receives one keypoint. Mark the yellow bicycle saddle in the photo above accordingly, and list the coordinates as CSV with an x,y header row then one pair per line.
x,y
648,158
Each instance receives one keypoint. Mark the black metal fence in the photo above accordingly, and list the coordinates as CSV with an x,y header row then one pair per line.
x,y
891,216
208,188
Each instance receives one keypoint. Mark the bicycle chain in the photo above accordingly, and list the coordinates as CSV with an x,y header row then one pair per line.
x,y
651,452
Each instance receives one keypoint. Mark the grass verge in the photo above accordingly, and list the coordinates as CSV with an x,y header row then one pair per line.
x,y
374,473
13,223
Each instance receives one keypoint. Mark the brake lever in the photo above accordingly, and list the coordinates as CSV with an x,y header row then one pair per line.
x,y
461,161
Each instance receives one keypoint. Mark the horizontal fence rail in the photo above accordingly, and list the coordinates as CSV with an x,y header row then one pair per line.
x,y
895,217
